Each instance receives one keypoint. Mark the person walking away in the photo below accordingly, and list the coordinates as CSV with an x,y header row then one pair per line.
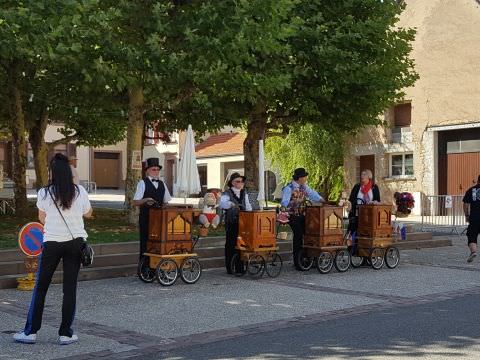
x,y
72,201
471,208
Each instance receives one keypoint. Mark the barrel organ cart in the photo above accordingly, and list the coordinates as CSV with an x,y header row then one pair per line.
x,y
170,247
374,242
257,250
323,242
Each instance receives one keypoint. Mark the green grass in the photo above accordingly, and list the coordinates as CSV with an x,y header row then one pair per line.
x,y
106,226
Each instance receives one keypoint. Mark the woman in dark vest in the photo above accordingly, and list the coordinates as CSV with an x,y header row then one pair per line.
x,y
232,201
364,192
150,191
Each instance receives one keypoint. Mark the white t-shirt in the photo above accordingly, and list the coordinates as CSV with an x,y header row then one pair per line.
x,y
55,228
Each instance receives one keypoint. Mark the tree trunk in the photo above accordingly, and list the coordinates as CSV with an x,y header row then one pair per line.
x,y
19,141
134,143
36,138
257,126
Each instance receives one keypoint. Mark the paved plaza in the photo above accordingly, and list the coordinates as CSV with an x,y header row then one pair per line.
x,y
419,310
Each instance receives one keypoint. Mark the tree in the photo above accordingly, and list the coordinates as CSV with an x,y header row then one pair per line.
x,y
148,58
338,64
310,146
44,67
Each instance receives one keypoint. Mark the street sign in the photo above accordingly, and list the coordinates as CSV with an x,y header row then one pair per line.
x,y
30,239
448,202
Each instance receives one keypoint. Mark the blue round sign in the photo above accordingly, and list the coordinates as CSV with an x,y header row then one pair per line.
x,y
30,239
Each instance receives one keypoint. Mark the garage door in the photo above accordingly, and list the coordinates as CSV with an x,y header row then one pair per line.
x,y
462,172
106,170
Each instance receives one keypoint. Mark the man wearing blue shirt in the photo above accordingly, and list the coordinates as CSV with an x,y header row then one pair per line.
x,y
294,196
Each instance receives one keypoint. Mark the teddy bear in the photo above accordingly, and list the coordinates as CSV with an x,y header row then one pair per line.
x,y
209,216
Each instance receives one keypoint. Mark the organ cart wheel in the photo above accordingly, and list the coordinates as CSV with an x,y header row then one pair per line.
x,y
305,262
355,260
167,272
144,272
392,257
324,262
256,265
190,270
237,266
342,260
273,265
377,258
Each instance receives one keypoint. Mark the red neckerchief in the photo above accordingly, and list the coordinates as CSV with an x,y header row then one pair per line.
x,y
365,188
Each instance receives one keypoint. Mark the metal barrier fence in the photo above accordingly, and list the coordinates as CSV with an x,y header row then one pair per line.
x,y
6,201
443,212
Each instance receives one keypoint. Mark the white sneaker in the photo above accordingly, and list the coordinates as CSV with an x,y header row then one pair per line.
x,y
65,340
26,339
471,257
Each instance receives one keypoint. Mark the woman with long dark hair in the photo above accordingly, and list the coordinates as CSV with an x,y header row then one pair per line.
x,y
59,243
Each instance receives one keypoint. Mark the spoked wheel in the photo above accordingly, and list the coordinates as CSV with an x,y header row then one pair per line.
x,y
256,265
342,260
167,272
273,265
377,258
304,262
238,266
392,257
324,262
144,272
355,260
191,270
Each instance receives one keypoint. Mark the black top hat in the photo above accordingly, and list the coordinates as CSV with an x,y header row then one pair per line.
x,y
299,173
234,176
151,162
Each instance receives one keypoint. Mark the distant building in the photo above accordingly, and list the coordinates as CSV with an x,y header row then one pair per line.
x,y
431,144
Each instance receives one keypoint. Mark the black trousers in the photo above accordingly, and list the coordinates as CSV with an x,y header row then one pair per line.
x,y
297,224
231,232
52,253
143,227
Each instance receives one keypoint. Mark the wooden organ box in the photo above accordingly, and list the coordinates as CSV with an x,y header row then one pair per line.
x,y
170,230
323,226
374,220
256,229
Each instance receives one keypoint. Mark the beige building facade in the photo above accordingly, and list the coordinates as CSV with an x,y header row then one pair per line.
x,y
431,145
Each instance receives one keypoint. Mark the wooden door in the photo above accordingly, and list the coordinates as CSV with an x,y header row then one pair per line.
x,y
106,170
462,172
367,162
169,167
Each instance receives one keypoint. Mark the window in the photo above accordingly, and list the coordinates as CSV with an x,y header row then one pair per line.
x,y
461,146
402,115
401,165
202,173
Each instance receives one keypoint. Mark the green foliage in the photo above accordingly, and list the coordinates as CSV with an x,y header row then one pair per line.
x,y
310,146
351,61
54,44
